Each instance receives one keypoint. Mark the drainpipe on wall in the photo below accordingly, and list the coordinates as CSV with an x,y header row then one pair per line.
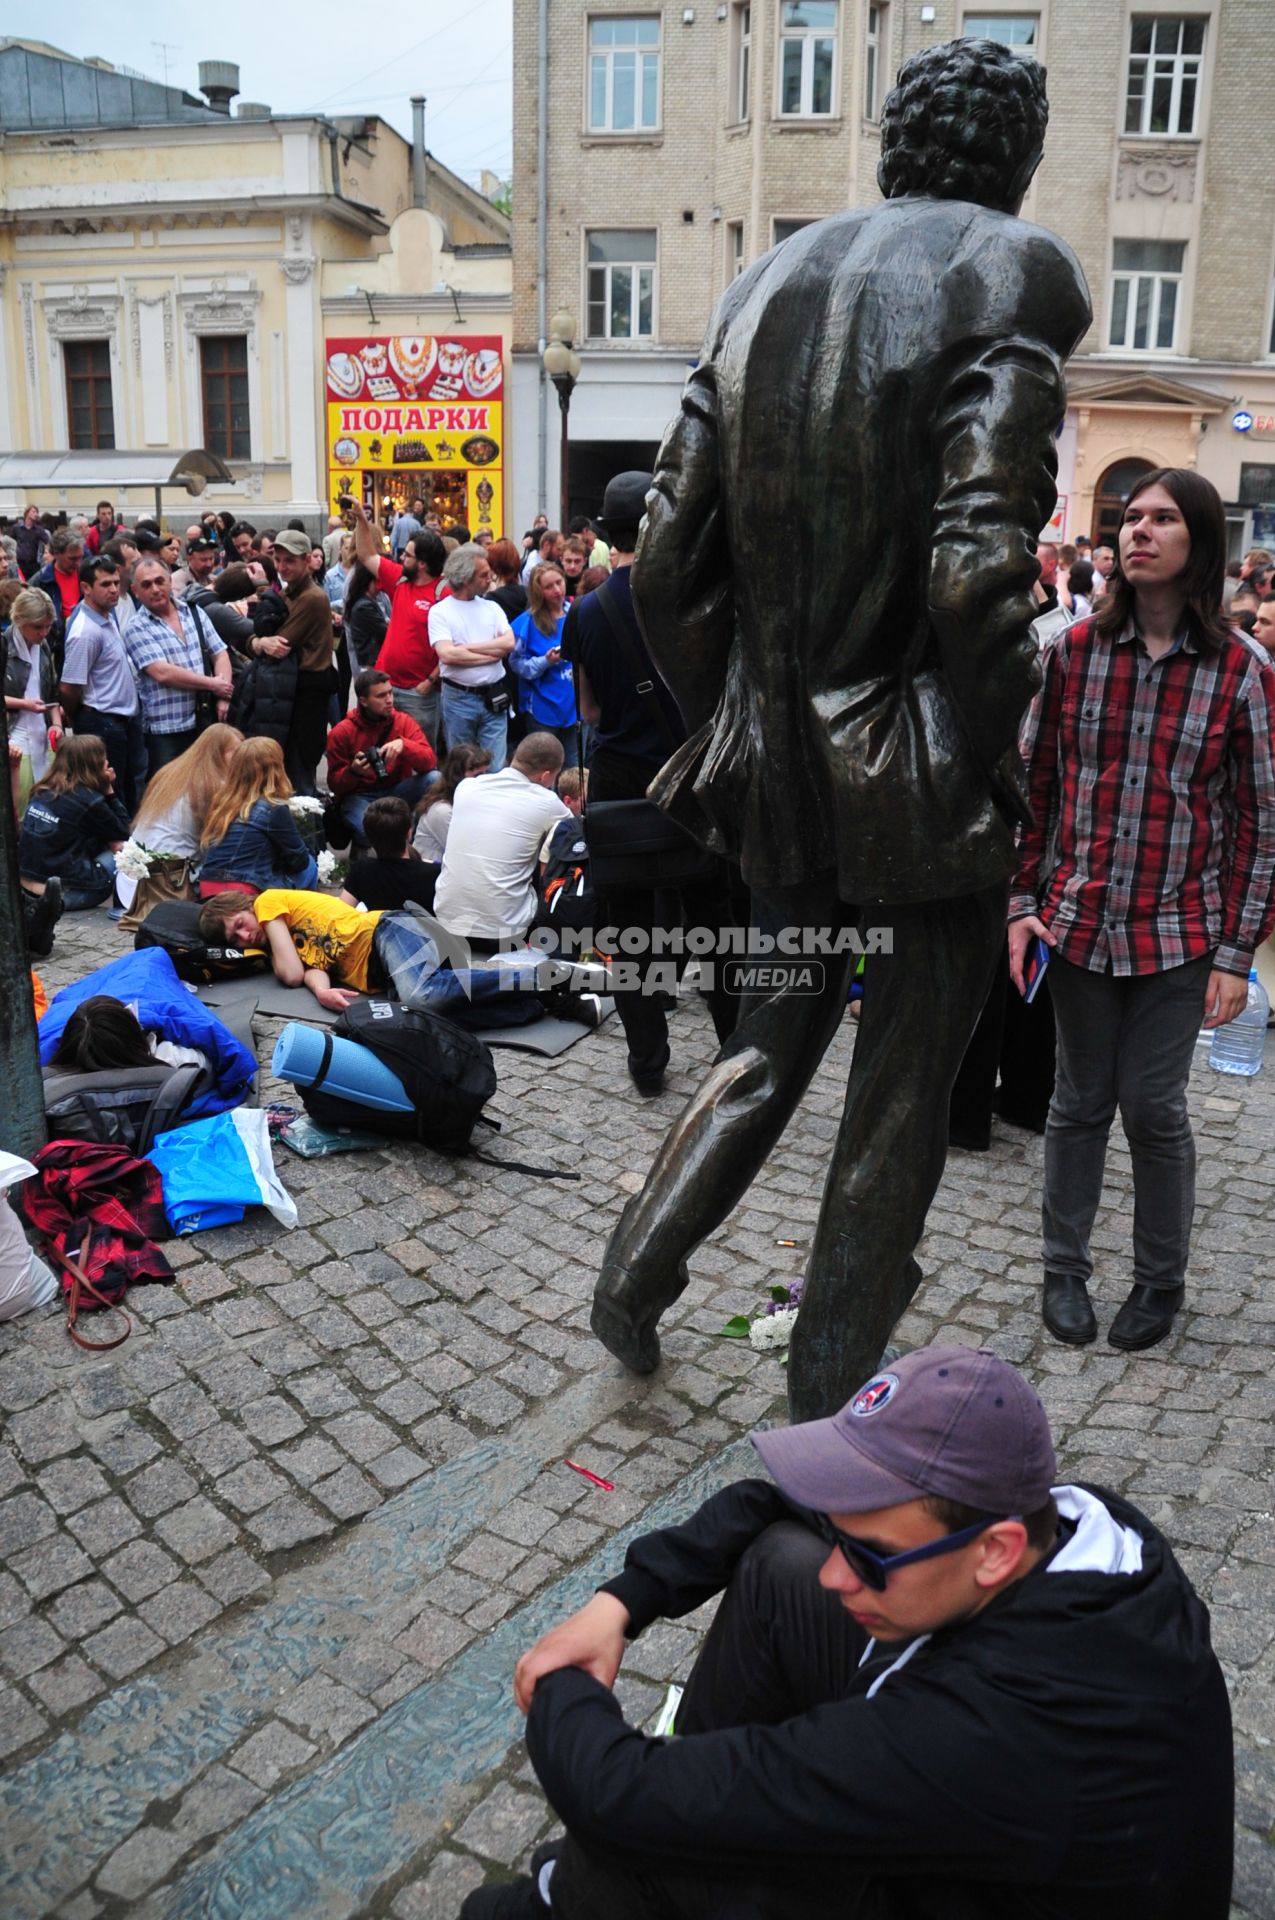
x,y
542,249
418,150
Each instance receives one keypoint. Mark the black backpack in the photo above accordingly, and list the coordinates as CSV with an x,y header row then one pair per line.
x,y
448,1074
174,926
565,893
123,1107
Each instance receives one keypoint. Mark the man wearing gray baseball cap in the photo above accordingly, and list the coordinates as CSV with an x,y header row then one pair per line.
x,y
939,1686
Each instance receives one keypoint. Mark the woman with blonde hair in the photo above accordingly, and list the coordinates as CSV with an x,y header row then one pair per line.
x,y
74,826
170,820
251,840
31,692
546,696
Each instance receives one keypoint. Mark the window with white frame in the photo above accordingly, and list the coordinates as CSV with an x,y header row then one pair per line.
x,y
1146,275
1021,31
742,62
875,58
620,266
1166,53
734,249
807,57
624,74
781,230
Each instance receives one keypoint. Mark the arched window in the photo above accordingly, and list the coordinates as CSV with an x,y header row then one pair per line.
x,y
1110,495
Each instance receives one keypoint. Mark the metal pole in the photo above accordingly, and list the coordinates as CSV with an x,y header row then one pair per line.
x,y
542,248
564,457
22,1129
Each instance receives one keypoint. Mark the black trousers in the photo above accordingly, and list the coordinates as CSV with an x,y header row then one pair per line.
x,y
1015,1041
778,1646
308,729
920,1005
642,1014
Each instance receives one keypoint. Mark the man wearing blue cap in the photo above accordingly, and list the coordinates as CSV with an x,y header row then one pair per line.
x,y
938,1687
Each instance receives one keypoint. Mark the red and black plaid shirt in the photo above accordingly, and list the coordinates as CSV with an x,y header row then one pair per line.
x,y
1153,793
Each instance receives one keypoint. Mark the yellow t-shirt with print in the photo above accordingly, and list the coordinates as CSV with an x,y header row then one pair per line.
x,y
325,932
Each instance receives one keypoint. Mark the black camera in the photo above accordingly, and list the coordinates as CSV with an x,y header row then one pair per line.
x,y
376,760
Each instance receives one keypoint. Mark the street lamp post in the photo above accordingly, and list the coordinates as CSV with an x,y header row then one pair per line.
x,y
562,364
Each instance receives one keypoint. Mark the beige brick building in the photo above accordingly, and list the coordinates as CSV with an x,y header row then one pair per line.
x,y
682,141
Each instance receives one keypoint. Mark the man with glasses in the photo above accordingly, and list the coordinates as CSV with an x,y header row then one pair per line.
x,y
938,1686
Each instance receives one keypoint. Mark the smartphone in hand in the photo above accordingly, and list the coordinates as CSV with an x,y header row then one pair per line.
x,y
1035,961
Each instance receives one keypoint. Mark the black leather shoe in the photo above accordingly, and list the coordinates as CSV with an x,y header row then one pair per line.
x,y
1067,1311
1146,1317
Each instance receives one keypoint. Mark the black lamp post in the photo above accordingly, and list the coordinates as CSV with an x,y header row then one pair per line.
x,y
562,364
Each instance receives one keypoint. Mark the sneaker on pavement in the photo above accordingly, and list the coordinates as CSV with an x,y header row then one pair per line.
x,y
518,1899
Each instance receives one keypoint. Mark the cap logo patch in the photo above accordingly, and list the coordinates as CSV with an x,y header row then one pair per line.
x,y
878,1393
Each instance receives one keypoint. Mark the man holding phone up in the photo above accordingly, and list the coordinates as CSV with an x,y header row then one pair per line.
x,y
1148,869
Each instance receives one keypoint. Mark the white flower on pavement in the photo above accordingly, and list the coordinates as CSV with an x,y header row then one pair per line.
x,y
304,803
772,1329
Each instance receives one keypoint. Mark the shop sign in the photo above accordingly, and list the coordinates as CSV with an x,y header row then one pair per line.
x,y
1254,426
417,402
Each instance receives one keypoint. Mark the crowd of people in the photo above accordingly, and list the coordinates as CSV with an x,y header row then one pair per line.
x,y
184,691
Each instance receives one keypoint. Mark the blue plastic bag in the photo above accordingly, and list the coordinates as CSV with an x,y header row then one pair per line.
x,y
216,1169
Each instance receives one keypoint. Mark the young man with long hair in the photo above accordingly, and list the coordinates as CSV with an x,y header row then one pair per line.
x,y
1148,871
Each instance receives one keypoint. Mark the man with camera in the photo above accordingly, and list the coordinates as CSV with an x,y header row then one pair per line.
x,y
375,752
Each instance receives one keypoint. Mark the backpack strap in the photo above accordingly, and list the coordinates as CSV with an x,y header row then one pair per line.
x,y
172,1098
519,1166
325,1061
643,676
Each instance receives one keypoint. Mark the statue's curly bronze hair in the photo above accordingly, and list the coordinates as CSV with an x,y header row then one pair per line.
x,y
964,121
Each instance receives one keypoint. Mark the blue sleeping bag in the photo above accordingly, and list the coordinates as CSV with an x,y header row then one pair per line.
x,y
148,981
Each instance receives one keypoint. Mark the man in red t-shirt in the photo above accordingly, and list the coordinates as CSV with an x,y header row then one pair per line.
x,y
413,584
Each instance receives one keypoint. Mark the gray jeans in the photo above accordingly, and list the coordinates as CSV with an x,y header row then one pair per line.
x,y
1123,1043
423,708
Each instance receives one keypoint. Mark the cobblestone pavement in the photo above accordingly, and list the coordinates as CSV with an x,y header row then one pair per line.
x,y
267,1568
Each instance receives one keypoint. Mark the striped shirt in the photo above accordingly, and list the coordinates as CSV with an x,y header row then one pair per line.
x,y
1153,797
147,640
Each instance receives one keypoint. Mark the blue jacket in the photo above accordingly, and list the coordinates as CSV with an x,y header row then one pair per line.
x,y
546,692
148,981
265,850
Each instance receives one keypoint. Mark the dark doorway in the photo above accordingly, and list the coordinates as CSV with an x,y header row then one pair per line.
x,y
1112,492
594,462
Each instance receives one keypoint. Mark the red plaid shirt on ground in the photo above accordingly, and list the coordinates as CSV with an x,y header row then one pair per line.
x,y
1153,793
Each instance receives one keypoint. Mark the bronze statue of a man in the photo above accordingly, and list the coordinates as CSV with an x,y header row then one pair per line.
x,y
882,392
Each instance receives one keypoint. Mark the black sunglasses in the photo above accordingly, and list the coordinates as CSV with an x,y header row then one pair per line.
x,y
874,1569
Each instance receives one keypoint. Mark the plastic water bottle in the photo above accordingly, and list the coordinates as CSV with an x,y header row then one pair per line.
x,y
1237,1047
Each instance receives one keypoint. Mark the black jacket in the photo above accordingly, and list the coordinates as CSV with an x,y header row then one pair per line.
x,y
236,629
881,393
63,833
1065,1754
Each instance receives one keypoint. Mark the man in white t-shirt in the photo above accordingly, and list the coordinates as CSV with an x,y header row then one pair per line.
x,y
487,888
471,637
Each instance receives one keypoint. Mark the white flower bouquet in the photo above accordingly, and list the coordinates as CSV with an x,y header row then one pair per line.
x,y
134,860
